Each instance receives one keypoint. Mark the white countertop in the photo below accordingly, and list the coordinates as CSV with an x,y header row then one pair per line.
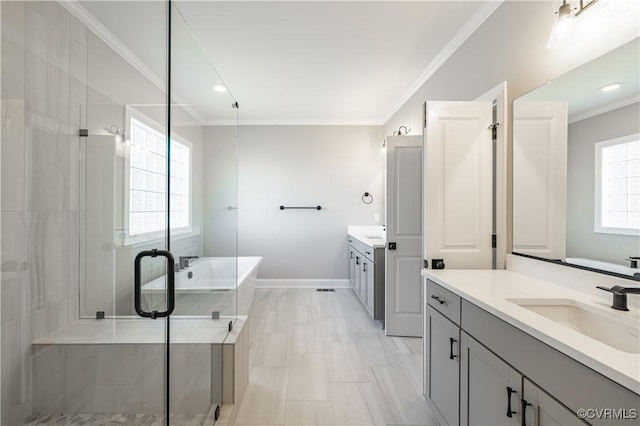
x,y
373,236
491,289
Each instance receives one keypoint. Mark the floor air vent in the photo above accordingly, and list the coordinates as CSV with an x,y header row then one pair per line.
x,y
325,289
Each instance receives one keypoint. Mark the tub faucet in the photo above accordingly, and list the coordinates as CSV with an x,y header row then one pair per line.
x,y
184,261
620,295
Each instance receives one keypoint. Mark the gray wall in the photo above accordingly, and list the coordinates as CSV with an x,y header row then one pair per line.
x,y
581,240
509,46
331,166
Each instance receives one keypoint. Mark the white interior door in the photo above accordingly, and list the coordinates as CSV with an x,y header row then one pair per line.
x,y
403,283
540,178
458,184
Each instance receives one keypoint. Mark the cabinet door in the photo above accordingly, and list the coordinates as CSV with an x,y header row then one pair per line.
x,y
363,281
442,352
357,271
490,388
542,410
371,275
352,266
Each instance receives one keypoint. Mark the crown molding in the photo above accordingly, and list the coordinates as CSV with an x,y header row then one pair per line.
x,y
605,108
454,44
241,122
103,33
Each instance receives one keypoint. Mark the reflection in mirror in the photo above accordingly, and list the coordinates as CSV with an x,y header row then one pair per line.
x,y
576,166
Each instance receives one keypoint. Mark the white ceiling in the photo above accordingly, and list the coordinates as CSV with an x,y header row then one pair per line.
x,y
301,62
581,86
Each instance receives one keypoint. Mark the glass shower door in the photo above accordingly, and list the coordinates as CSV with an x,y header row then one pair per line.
x,y
203,232
116,143
126,264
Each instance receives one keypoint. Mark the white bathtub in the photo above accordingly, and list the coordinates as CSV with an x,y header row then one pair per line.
x,y
215,274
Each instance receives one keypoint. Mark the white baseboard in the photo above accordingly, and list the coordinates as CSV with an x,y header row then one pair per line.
x,y
302,283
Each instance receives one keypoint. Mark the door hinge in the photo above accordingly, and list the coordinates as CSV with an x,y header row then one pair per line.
x,y
424,115
494,241
494,130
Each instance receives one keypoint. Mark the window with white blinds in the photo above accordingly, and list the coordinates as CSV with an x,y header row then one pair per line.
x,y
617,200
147,197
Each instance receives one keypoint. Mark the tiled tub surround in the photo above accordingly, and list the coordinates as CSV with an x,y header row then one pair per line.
x,y
116,366
491,291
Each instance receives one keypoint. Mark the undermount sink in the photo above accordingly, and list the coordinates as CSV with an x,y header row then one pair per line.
x,y
591,321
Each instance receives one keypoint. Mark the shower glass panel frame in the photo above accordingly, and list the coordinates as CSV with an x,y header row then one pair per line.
x,y
88,71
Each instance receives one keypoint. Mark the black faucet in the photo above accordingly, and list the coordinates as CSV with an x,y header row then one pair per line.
x,y
184,261
620,295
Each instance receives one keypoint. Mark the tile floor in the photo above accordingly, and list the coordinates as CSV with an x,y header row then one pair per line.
x,y
316,358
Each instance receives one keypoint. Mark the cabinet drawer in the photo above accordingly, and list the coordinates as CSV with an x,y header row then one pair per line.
x,y
365,250
444,301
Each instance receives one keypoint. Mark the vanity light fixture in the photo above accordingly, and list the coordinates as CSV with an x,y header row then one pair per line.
x,y
610,87
120,135
221,88
564,27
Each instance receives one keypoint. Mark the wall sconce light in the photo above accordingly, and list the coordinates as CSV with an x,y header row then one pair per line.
x,y
564,27
383,147
400,132
120,135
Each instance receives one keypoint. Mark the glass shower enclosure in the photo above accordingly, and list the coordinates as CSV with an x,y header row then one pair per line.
x,y
119,247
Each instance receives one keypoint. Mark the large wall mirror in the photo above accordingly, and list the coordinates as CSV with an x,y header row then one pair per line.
x,y
576,166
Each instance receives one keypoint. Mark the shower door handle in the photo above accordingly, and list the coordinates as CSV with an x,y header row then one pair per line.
x,y
137,282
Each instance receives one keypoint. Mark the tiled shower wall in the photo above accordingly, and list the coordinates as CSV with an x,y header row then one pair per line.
x,y
44,74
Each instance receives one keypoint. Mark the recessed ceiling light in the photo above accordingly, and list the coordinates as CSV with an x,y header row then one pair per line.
x,y
610,87
220,88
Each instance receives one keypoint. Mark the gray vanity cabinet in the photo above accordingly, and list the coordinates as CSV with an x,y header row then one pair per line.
x,y
352,266
364,271
366,276
442,353
358,272
542,410
371,286
443,370
492,388
495,356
